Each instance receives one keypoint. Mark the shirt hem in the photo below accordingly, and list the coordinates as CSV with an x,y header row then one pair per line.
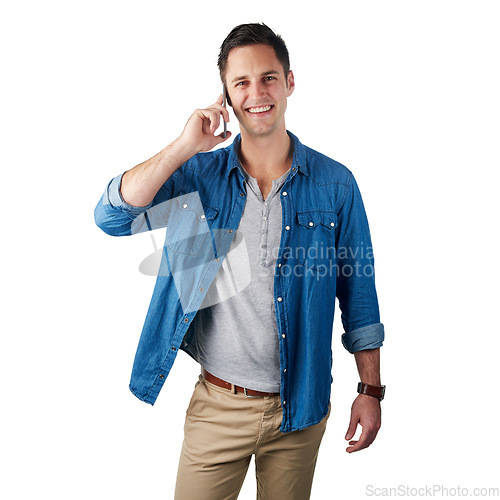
x,y
299,428
138,396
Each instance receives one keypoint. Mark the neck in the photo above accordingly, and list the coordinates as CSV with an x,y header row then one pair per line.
x,y
266,157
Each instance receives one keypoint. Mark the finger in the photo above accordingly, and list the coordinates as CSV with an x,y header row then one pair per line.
x,y
208,113
222,138
365,440
359,444
222,109
213,116
353,425
214,123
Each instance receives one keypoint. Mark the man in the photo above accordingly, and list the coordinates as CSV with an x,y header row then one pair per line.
x,y
261,331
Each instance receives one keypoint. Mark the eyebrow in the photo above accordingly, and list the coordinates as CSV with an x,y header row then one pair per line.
x,y
245,77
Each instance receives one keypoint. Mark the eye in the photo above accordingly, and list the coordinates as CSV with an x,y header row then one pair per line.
x,y
267,78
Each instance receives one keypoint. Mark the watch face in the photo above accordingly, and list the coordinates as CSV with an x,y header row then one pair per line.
x,y
382,393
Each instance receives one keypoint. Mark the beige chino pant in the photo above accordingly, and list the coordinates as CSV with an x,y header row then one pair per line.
x,y
223,430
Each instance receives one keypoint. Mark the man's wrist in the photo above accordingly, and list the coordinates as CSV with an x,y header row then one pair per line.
x,y
183,149
375,391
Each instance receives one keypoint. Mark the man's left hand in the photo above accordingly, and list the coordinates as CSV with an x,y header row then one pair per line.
x,y
366,411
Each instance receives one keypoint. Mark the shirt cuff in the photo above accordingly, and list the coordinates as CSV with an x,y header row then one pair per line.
x,y
116,200
367,337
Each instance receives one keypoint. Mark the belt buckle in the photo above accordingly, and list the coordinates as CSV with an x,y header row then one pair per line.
x,y
249,395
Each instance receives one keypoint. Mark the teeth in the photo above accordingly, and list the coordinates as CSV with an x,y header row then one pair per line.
x,y
259,110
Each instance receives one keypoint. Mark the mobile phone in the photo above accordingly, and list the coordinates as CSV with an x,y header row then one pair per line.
x,y
224,104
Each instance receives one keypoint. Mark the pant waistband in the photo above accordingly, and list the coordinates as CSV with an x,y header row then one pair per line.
x,y
250,393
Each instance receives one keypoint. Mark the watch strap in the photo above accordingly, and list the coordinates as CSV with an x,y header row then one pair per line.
x,y
372,390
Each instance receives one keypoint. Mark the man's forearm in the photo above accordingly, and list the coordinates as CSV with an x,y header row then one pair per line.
x,y
141,183
368,363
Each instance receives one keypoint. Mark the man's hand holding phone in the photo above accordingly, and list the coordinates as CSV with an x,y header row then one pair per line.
x,y
198,134
141,183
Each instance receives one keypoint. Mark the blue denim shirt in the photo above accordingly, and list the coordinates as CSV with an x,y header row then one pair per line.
x,y
325,252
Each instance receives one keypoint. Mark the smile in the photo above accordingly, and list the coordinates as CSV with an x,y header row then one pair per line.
x,y
262,109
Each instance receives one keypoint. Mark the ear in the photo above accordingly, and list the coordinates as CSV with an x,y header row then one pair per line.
x,y
291,84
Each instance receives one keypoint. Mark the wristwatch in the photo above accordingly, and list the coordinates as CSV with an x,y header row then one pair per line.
x,y
372,390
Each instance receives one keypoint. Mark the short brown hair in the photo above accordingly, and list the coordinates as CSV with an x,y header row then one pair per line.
x,y
251,34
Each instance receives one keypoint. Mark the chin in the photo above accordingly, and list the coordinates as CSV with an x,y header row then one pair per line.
x,y
258,132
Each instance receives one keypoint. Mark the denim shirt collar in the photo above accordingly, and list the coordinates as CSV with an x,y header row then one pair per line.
x,y
298,161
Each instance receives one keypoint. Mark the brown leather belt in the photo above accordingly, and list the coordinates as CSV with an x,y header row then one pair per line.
x,y
249,393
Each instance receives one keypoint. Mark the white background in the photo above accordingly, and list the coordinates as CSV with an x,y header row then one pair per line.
x,y
405,94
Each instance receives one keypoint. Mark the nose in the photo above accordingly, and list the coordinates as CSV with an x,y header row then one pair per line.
x,y
257,90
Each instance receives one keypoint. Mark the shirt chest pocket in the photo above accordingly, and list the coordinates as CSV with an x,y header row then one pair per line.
x,y
188,230
317,231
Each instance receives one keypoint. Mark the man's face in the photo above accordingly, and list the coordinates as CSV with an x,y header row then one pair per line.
x,y
258,89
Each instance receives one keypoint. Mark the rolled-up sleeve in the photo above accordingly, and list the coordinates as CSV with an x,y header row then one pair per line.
x,y
356,290
116,217
115,198
366,337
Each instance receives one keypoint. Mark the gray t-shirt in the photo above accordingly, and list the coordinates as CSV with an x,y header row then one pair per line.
x,y
235,331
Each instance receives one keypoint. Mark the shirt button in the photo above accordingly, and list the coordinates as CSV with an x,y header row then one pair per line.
x,y
279,299
242,194
217,259
332,224
201,289
284,402
287,228
185,205
202,216
186,320
266,203
161,376
229,230
284,193
264,218
283,335
174,348
284,371
311,223
279,265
